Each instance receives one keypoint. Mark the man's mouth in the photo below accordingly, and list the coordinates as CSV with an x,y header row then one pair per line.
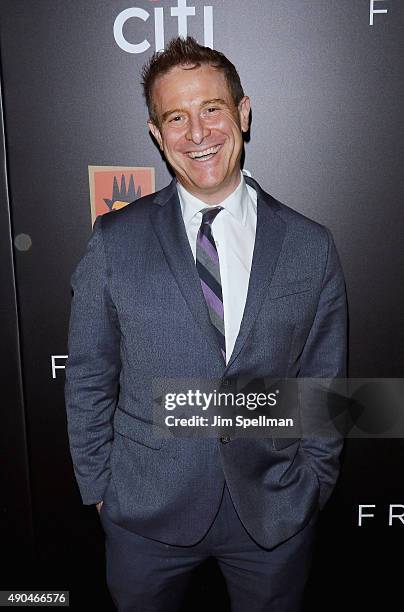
x,y
204,155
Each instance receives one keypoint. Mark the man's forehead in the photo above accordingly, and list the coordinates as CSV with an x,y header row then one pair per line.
x,y
193,83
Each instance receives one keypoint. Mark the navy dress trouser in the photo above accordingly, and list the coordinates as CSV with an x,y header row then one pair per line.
x,y
144,575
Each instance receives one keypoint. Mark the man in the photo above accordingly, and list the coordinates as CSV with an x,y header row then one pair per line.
x,y
208,278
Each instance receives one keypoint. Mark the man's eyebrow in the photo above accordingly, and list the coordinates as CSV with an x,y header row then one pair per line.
x,y
182,110
215,101
171,112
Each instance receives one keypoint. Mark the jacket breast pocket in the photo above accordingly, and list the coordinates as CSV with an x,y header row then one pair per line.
x,y
290,288
137,430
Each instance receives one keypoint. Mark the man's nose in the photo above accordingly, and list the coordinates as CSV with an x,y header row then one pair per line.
x,y
197,130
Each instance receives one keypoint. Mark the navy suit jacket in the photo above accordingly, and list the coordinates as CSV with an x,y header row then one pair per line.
x,y
138,313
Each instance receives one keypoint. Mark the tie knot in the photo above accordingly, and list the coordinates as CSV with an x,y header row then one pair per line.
x,y
209,214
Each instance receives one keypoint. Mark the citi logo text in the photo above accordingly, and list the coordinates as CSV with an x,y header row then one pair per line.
x,y
181,12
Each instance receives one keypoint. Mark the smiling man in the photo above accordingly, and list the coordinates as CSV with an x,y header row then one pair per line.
x,y
209,278
198,125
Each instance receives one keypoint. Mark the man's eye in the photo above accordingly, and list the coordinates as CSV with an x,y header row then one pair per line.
x,y
211,109
176,118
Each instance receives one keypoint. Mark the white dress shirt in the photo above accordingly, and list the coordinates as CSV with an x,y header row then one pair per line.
x,y
233,230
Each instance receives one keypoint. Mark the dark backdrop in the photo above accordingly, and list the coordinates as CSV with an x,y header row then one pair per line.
x,y
326,138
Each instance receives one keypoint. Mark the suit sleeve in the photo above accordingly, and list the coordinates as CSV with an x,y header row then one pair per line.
x,y
325,356
92,370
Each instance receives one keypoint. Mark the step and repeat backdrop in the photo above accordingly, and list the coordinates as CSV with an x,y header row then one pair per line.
x,y
326,84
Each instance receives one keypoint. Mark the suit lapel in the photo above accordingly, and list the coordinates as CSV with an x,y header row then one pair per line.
x,y
269,238
169,226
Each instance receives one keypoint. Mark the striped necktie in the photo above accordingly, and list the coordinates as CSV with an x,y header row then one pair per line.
x,y
207,264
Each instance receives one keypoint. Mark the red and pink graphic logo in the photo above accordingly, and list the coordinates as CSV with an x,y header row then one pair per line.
x,y
113,187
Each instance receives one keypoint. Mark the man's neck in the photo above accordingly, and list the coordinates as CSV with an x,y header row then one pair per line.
x,y
214,198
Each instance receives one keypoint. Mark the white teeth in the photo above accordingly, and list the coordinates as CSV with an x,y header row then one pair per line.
x,y
195,154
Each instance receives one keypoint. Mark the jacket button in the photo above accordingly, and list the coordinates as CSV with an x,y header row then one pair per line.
x,y
225,439
226,383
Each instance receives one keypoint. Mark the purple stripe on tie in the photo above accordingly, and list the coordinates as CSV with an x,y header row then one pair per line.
x,y
223,354
208,248
212,300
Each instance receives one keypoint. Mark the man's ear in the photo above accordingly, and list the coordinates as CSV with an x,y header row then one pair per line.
x,y
156,133
244,113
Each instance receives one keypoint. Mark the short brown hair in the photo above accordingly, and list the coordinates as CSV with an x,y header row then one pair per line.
x,y
186,51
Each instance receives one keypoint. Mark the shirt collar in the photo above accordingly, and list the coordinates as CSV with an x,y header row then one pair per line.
x,y
235,204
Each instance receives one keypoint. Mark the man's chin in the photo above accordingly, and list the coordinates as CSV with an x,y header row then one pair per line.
x,y
208,185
